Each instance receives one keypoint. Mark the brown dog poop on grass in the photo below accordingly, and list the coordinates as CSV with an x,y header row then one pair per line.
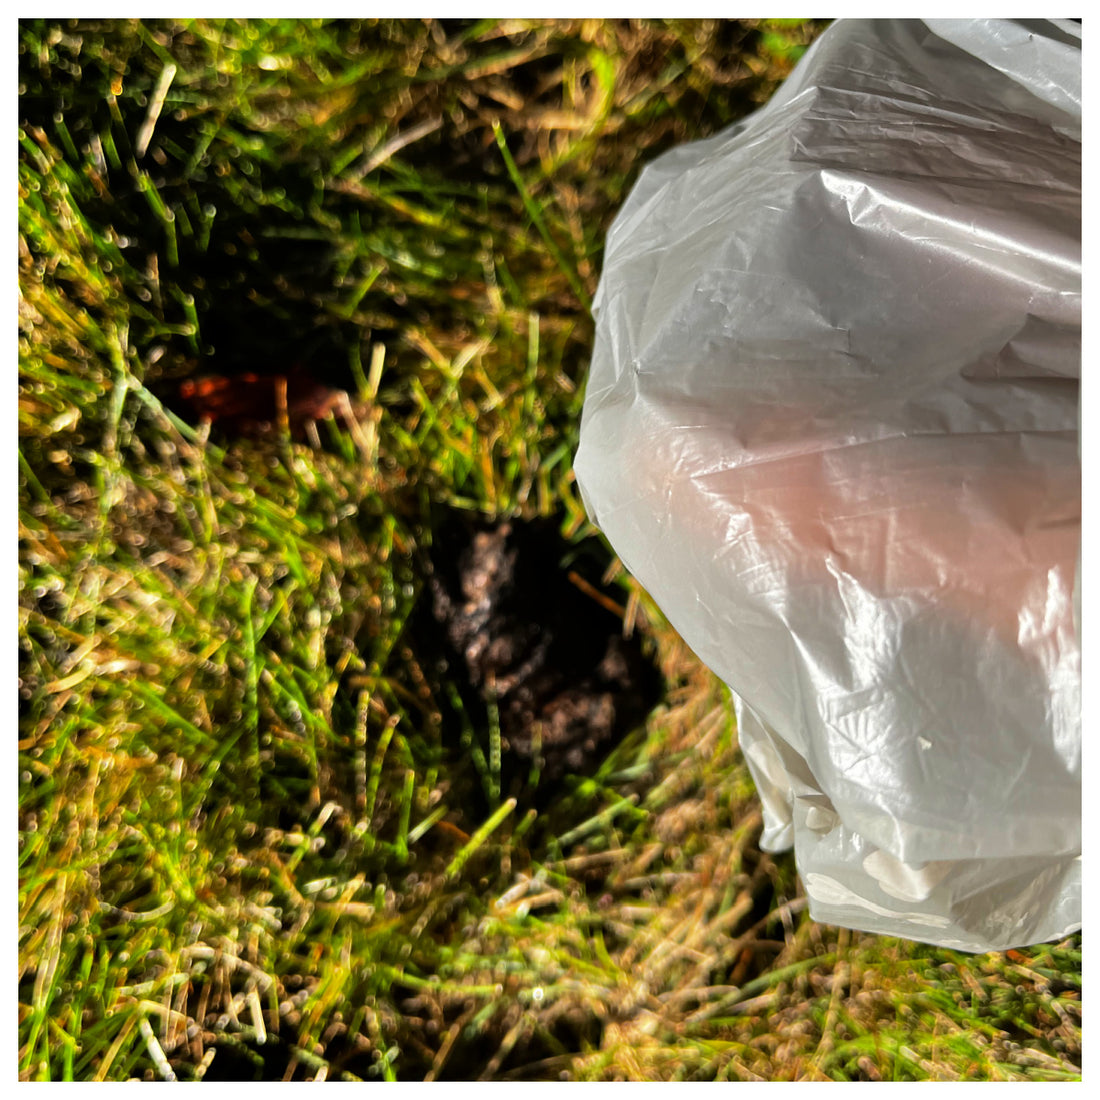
x,y
523,618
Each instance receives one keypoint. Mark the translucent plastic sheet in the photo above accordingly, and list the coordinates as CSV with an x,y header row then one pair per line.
x,y
831,424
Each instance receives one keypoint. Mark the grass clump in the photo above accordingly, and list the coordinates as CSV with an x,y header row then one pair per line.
x,y
249,844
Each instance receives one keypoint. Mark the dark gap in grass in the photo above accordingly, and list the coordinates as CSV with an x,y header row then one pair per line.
x,y
520,619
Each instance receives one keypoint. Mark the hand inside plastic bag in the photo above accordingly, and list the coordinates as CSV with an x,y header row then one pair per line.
x,y
832,426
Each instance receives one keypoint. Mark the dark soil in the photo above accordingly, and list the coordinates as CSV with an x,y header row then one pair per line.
x,y
521,617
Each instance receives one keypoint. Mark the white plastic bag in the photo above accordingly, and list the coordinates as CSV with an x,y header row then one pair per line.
x,y
831,424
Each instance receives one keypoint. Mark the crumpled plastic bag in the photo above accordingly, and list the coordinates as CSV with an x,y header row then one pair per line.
x,y
831,424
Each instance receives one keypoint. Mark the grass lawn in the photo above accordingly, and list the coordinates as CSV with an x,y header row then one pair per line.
x,y
262,833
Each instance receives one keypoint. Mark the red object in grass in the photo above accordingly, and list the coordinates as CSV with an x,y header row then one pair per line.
x,y
255,404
